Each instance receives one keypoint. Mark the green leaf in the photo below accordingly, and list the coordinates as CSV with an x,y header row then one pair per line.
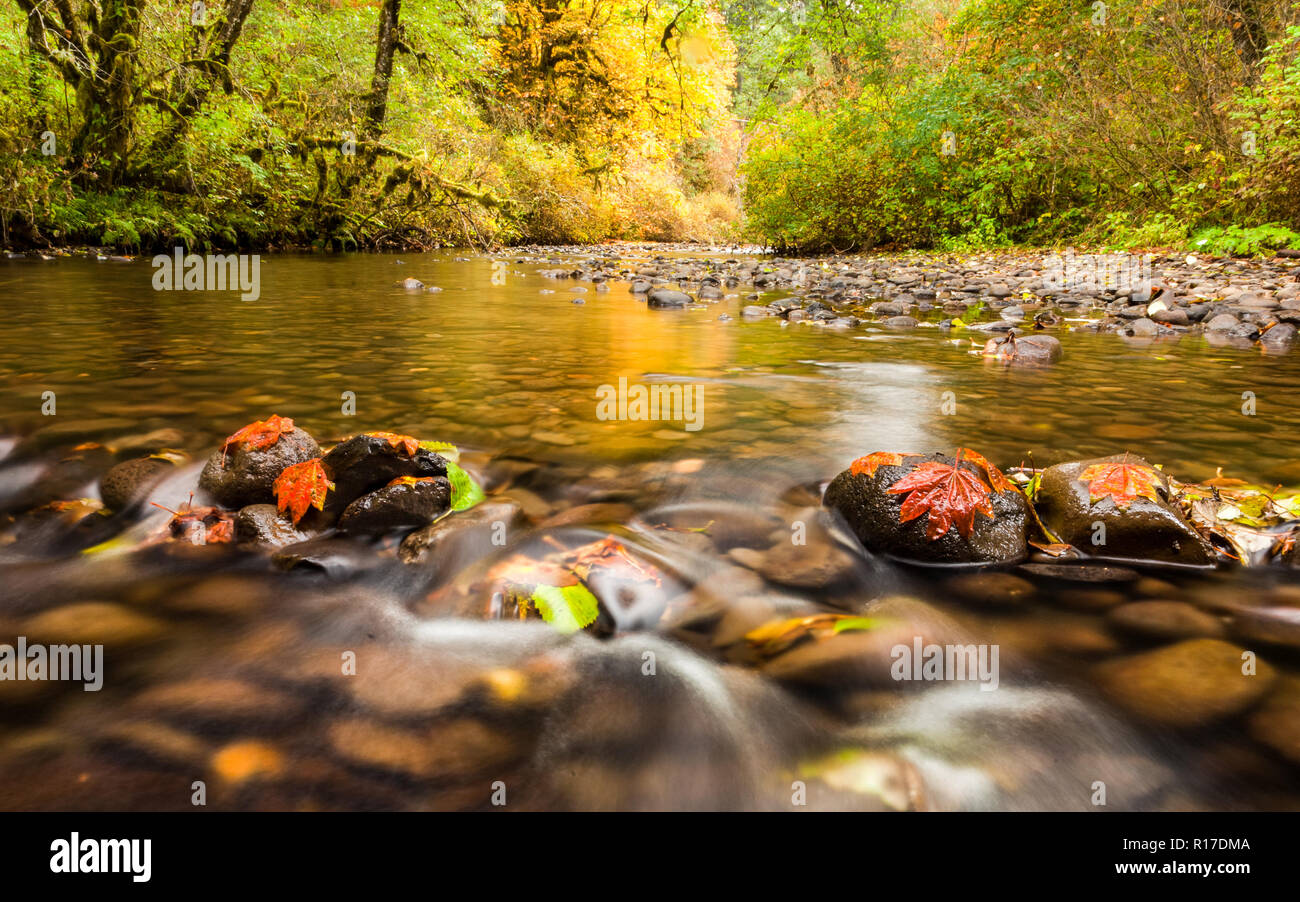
x,y
855,623
465,492
567,608
445,449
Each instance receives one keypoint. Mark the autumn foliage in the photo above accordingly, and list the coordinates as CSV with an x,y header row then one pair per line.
x,y
1122,481
301,487
950,493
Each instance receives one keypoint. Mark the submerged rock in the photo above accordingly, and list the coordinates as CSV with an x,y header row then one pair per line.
x,y
1185,685
241,475
1148,527
463,537
875,516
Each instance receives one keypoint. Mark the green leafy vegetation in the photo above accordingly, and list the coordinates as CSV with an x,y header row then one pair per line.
x,y
955,125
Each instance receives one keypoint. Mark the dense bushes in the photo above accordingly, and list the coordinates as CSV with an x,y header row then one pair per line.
x,y
1140,124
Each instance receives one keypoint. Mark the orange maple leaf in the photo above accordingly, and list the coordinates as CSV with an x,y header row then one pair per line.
x,y
997,480
866,466
300,487
259,434
1121,481
403,442
949,493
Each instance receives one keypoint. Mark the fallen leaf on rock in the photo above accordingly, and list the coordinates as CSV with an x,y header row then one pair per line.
x,y
258,435
1121,481
404,443
867,466
949,494
300,487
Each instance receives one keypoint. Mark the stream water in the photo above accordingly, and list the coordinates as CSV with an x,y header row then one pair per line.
x,y
222,668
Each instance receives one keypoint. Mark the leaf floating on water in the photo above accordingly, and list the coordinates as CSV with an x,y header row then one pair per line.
x,y
776,636
949,494
300,487
567,608
405,443
855,623
258,435
1121,481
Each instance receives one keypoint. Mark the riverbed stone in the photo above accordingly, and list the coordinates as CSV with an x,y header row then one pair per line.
x,y
365,463
873,515
263,524
1162,619
667,298
1144,530
404,505
128,484
242,475
1189,684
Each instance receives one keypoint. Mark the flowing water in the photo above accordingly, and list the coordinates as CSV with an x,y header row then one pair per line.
x,y
222,668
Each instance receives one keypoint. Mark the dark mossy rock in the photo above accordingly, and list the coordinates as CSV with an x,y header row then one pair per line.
x,y
872,514
248,475
406,505
1144,530
128,484
365,463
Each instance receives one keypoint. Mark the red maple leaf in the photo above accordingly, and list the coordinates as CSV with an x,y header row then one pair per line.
x,y
1121,481
866,466
258,435
401,442
300,487
949,493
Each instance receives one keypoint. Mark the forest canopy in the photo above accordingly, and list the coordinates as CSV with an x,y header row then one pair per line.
x,y
811,126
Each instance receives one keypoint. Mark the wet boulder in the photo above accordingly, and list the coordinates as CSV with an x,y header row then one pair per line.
x,y
874,515
262,524
365,463
241,475
128,484
666,298
402,505
1147,526
1024,350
